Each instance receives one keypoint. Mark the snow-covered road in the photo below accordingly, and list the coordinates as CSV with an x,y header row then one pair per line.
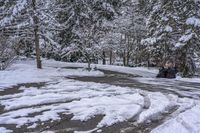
x,y
60,99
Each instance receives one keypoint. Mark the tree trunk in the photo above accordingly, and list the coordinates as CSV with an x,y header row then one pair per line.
x,y
127,58
136,58
110,57
89,65
124,58
188,64
36,30
148,62
104,58
128,51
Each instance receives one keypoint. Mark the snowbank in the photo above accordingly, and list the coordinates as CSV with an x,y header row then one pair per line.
x,y
186,122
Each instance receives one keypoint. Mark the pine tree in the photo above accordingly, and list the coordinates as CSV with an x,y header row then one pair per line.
x,y
86,21
128,29
188,41
30,21
171,33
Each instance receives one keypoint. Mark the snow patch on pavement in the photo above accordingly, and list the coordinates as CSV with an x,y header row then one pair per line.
x,y
83,100
4,130
154,110
186,122
87,100
116,109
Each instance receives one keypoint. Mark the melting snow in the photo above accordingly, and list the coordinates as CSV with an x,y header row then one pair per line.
x,y
4,130
87,100
186,122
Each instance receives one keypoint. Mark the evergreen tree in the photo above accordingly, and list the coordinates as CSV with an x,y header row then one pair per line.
x,y
86,27
30,21
171,31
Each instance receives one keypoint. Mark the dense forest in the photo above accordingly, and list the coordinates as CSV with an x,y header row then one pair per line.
x,y
119,32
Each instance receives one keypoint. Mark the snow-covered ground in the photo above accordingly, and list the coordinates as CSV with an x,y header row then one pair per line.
x,y
140,71
26,72
85,100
